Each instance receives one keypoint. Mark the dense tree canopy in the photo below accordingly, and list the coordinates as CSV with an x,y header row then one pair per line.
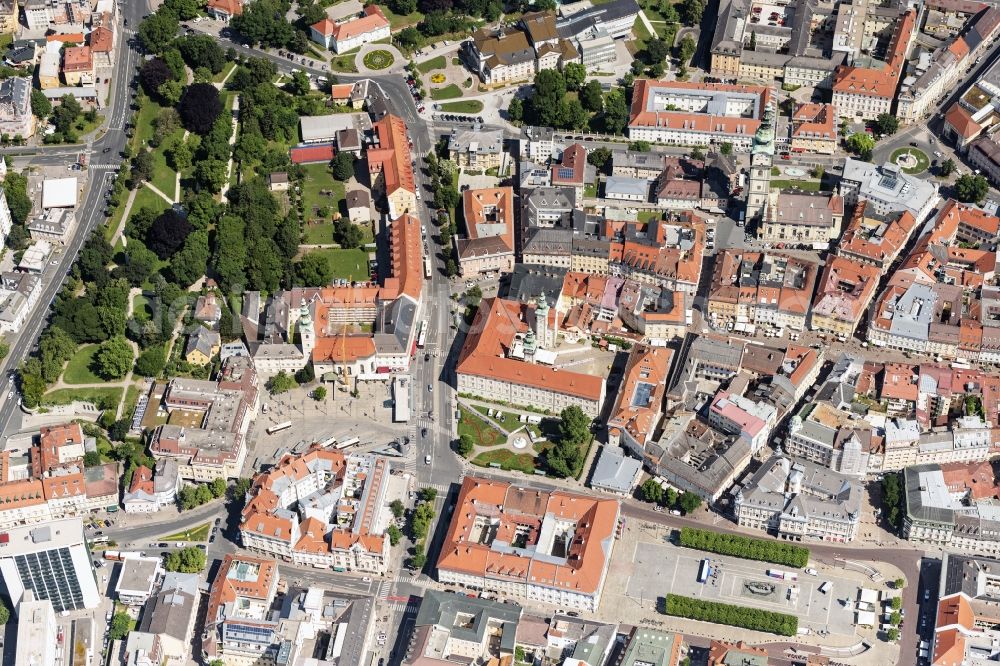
x,y
114,358
156,31
202,51
199,107
167,233
154,73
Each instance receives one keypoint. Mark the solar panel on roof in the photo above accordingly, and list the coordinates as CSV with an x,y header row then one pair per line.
x,y
565,172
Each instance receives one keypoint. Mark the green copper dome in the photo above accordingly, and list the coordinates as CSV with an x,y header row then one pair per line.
x,y
763,140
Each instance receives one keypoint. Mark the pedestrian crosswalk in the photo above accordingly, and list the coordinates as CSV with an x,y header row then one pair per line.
x,y
106,167
383,590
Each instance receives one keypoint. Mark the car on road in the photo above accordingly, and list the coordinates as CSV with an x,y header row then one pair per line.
x,y
812,572
427,460
423,432
163,545
367,579
430,388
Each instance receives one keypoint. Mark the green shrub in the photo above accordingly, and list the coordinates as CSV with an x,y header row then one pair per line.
x,y
753,619
746,547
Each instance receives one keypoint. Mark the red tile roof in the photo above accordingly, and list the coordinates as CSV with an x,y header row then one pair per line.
x,y
961,120
519,510
880,82
694,122
101,40
392,156
491,336
231,7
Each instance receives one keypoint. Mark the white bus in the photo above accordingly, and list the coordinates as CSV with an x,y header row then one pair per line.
x,y
401,399
347,443
704,571
278,427
422,335
427,268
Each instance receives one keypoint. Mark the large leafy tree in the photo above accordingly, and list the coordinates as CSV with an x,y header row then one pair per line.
x,y
615,112
230,252
114,358
150,362
281,383
575,74
190,263
314,270
187,560
592,96
862,144
200,105
185,10
971,188
157,31
263,22
168,233
40,104
886,124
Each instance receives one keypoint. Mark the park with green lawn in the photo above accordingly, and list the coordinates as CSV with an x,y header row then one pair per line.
x,y
349,264
450,91
464,106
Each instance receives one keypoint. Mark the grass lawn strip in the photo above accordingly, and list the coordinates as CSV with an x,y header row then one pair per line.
x,y
78,369
108,396
221,76
465,106
507,460
131,397
164,178
482,432
804,185
345,64
147,198
434,63
319,178
141,308
641,33
347,264
450,91
397,21
144,124
199,533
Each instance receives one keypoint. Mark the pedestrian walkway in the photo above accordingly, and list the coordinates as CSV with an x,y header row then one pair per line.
x,y
120,229
232,142
383,590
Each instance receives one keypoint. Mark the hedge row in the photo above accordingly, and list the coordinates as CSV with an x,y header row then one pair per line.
x,y
754,619
746,547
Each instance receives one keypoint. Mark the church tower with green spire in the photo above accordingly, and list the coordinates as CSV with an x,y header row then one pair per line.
x,y
761,162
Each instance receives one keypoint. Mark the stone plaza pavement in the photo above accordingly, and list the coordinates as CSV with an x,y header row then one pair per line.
x,y
618,605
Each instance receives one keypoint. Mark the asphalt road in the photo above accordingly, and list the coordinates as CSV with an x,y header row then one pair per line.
x,y
90,212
